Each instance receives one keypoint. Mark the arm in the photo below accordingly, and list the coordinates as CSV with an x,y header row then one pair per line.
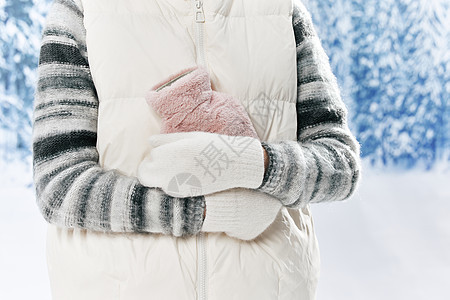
x,y
324,163
72,189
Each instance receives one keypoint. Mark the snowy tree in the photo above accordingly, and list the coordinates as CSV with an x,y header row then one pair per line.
x,y
400,93
20,31
391,59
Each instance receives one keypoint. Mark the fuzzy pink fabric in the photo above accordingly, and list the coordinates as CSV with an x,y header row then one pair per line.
x,y
189,104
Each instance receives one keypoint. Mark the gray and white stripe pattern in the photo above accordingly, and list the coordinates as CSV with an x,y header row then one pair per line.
x,y
72,190
324,163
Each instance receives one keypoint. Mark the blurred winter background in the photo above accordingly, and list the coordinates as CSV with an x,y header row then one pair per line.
x,y
391,240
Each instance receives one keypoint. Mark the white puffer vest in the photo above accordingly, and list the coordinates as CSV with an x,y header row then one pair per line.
x,y
249,50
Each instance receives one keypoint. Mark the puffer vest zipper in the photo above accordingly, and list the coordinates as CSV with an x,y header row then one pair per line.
x,y
202,236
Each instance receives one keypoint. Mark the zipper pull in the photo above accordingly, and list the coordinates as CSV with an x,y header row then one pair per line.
x,y
199,14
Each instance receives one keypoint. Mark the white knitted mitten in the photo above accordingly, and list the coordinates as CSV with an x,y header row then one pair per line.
x,y
240,213
187,164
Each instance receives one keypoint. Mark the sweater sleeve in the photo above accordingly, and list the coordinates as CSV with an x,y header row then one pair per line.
x,y
72,189
324,163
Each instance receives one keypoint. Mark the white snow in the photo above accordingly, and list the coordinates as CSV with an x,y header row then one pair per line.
x,y
391,240
23,269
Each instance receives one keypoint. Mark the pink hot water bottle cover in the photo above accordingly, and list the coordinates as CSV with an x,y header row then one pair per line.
x,y
185,102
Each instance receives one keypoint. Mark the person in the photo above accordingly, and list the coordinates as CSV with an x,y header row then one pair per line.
x,y
250,237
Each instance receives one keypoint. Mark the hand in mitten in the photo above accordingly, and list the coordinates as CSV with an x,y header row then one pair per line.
x,y
187,164
190,105
185,102
240,213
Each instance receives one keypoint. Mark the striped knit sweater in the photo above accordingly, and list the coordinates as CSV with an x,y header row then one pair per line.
x,y
73,190
324,163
